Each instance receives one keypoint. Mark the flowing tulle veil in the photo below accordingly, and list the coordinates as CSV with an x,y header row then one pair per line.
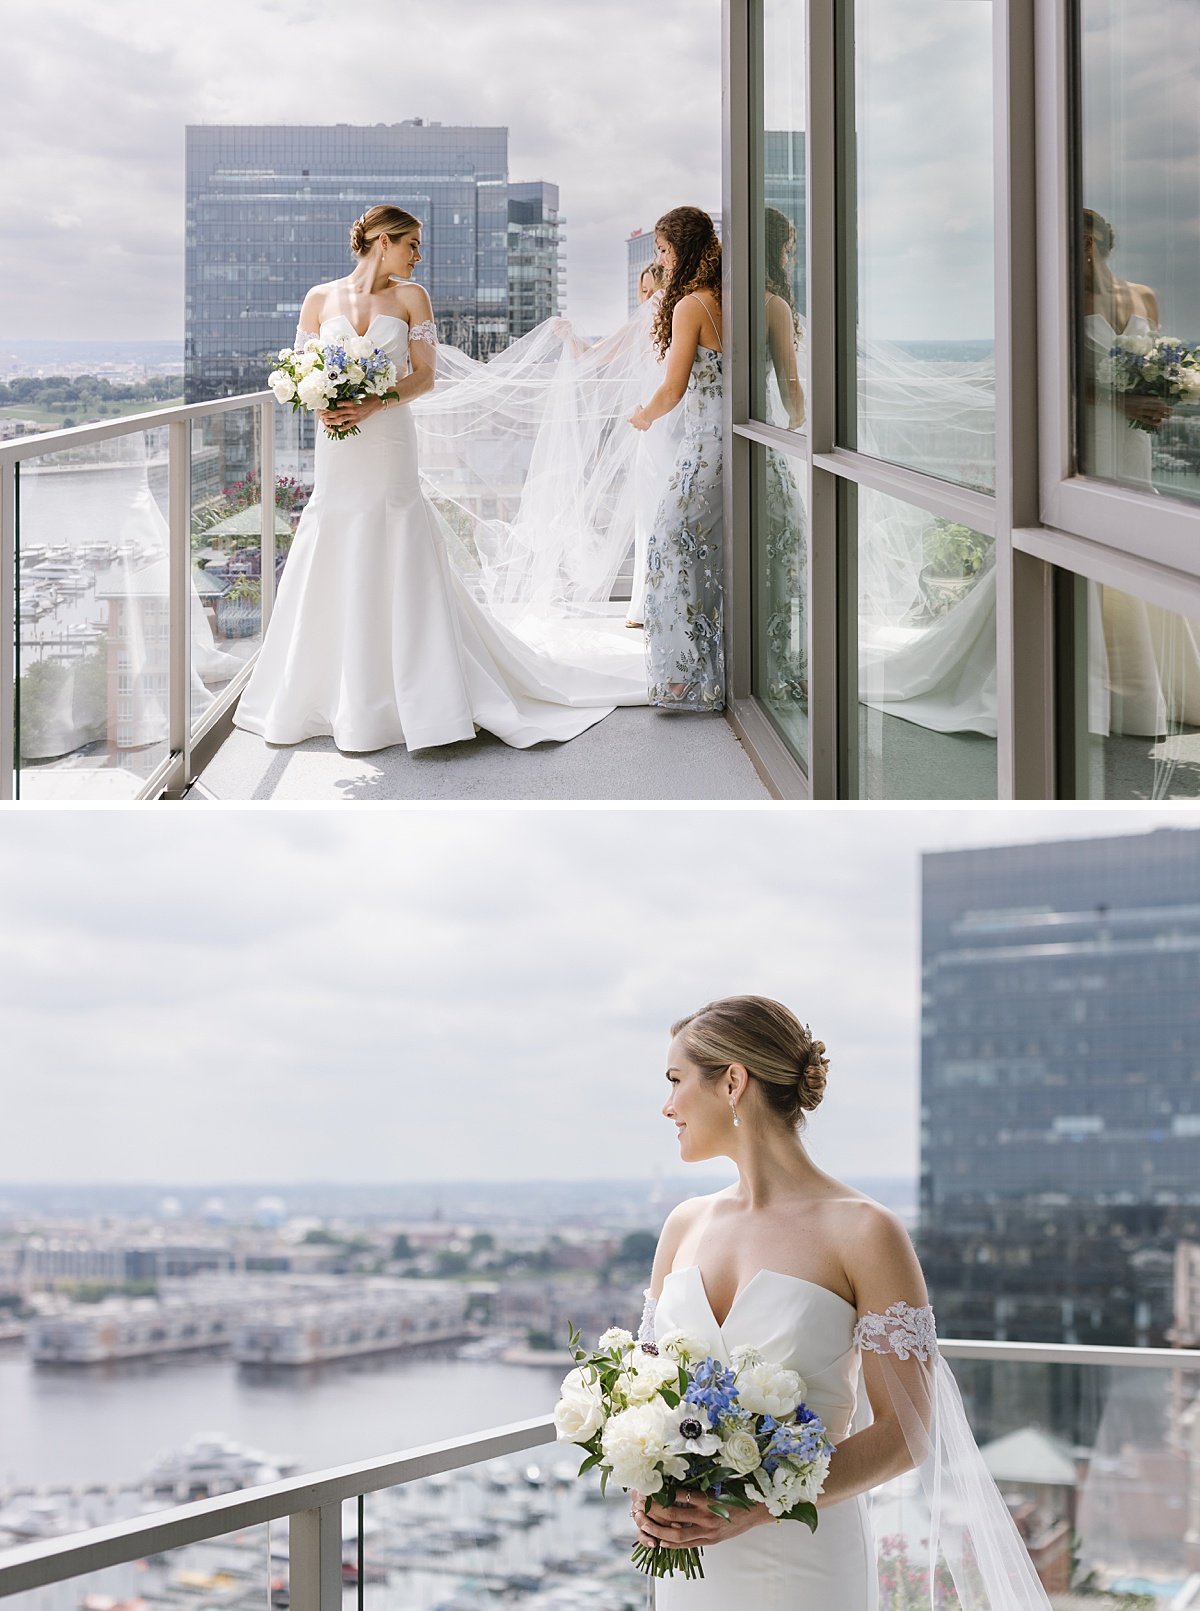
x,y
544,484
532,462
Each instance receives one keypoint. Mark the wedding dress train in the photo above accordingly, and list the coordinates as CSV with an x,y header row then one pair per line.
x,y
378,639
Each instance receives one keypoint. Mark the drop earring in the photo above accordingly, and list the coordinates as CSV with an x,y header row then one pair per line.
x,y
733,1109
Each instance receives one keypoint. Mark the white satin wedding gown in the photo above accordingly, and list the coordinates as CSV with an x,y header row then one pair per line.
x,y
945,1517
376,639
811,1330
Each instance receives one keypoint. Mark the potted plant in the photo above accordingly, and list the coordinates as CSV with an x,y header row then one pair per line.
x,y
953,556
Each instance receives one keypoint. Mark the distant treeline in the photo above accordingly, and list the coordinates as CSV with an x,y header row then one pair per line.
x,y
86,392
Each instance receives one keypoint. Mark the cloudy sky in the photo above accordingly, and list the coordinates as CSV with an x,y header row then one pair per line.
x,y
617,101
378,995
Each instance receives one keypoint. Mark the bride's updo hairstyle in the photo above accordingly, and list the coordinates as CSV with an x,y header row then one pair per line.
x,y
1098,227
689,232
383,220
779,1053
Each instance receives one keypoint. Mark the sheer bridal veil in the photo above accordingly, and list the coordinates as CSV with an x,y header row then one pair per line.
x,y
531,460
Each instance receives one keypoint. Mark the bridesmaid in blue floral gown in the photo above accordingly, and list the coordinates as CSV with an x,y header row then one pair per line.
x,y
685,658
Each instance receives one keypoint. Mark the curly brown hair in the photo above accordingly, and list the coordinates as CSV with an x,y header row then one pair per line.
x,y
781,232
689,232
382,220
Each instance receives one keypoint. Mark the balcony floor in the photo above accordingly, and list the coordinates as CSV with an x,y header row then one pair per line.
x,y
634,754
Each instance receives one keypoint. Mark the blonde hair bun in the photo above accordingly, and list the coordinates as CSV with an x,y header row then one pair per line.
x,y
781,1055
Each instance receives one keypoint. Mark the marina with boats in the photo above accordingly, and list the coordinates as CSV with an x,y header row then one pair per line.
x,y
511,1532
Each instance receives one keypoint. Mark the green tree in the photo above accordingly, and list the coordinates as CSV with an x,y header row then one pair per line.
x,y
402,1248
638,1248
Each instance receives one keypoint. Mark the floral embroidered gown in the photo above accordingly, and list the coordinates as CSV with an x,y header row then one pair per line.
x,y
685,657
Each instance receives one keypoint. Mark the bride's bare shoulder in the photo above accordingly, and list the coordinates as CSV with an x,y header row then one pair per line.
x,y
313,308
876,1251
676,1226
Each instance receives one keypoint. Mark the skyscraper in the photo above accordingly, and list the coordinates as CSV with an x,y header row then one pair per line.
x,y
535,262
269,211
1060,1081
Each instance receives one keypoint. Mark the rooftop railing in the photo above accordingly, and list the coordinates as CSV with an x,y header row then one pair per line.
x,y
138,563
1097,1451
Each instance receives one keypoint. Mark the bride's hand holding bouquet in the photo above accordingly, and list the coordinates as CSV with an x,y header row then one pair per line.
x,y
341,381
707,1450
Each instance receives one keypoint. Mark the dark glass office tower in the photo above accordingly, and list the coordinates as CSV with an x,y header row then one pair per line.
x,y
1060,1082
536,271
269,211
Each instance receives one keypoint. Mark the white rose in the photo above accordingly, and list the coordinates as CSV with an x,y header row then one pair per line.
x,y
617,1337
579,1413
1137,341
282,385
360,347
354,372
306,363
635,1446
740,1453
644,1374
766,1389
312,389
682,1345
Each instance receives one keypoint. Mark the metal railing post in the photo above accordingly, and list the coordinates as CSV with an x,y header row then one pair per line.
x,y
8,629
315,1559
179,550
266,482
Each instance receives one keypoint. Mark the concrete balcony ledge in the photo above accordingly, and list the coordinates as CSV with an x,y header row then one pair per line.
x,y
634,754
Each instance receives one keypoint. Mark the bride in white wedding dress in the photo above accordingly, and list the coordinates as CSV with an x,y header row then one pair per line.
x,y
822,1280
376,638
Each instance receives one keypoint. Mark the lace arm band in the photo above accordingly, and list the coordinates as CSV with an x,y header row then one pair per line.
x,y
646,1327
425,331
900,1330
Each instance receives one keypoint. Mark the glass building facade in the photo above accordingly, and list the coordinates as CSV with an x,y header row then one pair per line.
x,y
536,269
1060,1081
269,211
963,498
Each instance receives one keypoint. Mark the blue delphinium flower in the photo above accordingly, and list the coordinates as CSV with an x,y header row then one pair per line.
x,y
713,1388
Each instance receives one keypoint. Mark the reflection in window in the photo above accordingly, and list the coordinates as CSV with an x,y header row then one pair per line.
x,y
927,655
780,556
1143,700
778,375
924,321
1139,274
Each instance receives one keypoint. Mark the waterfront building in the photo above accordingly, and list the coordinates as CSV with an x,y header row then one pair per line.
x,y
269,210
1060,1084
536,268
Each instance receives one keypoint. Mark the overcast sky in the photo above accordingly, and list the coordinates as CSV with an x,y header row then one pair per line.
x,y
616,101
397,995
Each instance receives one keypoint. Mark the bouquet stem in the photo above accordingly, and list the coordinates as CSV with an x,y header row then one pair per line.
x,y
658,1561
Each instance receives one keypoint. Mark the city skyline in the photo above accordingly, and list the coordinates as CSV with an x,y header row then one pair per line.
x,y
452,994
650,79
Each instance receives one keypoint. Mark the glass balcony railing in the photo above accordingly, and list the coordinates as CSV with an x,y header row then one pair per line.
x,y
1096,1451
138,566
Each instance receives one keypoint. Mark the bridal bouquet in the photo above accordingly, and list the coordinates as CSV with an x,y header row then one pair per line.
x,y
663,1417
1152,366
322,373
